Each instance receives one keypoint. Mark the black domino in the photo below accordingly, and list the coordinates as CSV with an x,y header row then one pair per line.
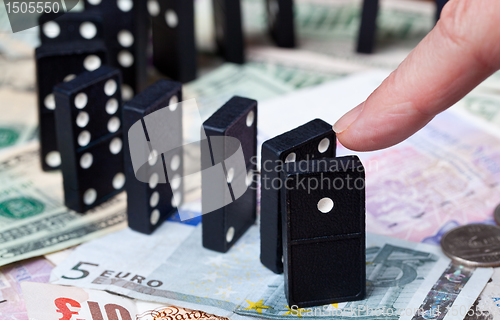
x,y
70,26
229,30
89,136
56,63
281,22
324,231
313,140
368,27
439,7
174,51
151,202
234,187
126,25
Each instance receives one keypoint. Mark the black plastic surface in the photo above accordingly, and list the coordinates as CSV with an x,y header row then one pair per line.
x,y
324,252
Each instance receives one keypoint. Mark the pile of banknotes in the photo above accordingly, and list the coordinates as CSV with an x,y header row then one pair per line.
x,y
58,264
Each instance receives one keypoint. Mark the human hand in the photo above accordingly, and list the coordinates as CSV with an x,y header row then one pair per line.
x,y
460,52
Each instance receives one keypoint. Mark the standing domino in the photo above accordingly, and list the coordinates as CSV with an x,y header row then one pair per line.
x,y
89,135
174,51
126,26
229,30
313,140
228,188
281,22
55,63
149,204
324,231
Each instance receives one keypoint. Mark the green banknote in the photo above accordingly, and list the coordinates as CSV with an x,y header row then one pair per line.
x,y
33,218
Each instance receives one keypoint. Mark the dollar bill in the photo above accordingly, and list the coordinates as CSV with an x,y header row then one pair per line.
x,y
172,267
33,218
12,306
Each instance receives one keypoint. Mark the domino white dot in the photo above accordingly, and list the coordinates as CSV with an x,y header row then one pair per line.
x,y
172,104
82,119
324,145
110,87
111,106
92,62
88,30
155,217
94,2
291,157
51,29
119,181
125,58
127,92
230,175
114,124
86,160
50,102
250,118
125,5
116,145
153,158
153,8
171,18
89,196
175,163
81,100
249,178
125,38
155,199
53,159
230,234
176,199
69,77
176,182
153,180
325,205
84,138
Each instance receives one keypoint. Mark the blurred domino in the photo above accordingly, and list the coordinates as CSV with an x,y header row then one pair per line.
x,y
281,22
126,26
229,30
55,63
174,52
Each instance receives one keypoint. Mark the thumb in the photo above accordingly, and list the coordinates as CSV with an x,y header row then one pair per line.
x,y
459,53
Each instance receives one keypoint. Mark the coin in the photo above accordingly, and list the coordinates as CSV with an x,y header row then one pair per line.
x,y
497,214
474,245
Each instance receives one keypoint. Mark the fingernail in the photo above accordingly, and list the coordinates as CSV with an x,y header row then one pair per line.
x,y
347,119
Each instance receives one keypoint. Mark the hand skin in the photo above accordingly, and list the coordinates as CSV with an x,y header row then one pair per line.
x,y
460,52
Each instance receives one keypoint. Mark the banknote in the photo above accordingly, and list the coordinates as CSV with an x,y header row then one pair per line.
x,y
172,267
12,306
47,301
33,218
18,123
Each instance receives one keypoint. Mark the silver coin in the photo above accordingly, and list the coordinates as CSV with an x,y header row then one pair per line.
x,y
474,245
497,214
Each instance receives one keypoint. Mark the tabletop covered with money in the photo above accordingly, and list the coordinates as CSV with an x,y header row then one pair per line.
x,y
176,160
